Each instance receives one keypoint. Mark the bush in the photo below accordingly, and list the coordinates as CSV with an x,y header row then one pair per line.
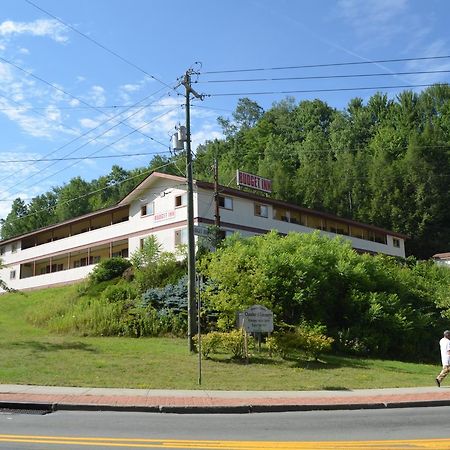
x,y
232,342
108,269
306,339
167,270
119,293
210,343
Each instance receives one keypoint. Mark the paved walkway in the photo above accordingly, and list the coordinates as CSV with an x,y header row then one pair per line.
x,y
52,398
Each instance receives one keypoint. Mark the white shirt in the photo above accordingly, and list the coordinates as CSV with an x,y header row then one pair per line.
x,y
444,343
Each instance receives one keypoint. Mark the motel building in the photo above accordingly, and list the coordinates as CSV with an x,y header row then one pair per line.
x,y
68,251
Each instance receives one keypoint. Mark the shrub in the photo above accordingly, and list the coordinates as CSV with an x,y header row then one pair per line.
x,y
231,342
167,270
306,339
234,342
211,343
118,293
172,297
108,269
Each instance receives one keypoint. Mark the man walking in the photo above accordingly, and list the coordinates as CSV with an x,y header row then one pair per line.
x,y
444,344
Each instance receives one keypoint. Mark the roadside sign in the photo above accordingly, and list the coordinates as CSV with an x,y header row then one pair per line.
x,y
256,319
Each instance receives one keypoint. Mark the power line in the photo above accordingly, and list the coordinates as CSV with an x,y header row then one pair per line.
x,y
61,90
90,193
101,134
55,107
310,66
99,150
112,52
323,77
119,155
211,108
306,91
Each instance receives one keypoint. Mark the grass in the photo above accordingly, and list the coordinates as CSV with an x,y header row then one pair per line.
x,y
31,355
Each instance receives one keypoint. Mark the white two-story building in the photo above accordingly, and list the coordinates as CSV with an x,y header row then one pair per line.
x,y
67,252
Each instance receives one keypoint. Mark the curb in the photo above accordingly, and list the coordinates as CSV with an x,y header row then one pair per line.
x,y
241,409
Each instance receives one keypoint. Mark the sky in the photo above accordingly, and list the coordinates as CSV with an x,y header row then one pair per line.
x,y
88,84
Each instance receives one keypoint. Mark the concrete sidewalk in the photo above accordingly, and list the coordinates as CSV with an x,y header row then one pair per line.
x,y
52,398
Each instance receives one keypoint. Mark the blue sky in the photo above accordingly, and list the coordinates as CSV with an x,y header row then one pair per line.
x,y
63,96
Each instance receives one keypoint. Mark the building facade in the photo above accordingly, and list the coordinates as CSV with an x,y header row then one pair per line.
x,y
68,251
442,258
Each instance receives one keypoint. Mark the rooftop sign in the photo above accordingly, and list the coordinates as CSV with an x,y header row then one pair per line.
x,y
253,181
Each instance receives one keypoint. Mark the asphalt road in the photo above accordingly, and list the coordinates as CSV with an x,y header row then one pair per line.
x,y
418,427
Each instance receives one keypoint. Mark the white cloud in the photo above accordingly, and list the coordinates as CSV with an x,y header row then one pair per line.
x,y
131,87
41,27
24,51
97,95
436,47
378,21
88,123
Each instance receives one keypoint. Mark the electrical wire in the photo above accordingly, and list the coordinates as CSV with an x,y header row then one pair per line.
x,y
119,155
101,134
60,89
306,91
99,150
112,52
90,193
325,77
310,66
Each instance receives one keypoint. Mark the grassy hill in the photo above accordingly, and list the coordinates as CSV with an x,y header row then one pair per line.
x,y
32,355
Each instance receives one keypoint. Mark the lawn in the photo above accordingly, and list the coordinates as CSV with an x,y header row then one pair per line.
x,y
31,355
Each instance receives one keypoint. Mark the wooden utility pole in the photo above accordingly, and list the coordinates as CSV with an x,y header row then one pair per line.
x,y
190,212
216,193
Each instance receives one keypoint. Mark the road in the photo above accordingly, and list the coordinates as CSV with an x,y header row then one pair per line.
x,y
416,428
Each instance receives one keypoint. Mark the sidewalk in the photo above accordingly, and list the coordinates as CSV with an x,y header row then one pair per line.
x,y
52,398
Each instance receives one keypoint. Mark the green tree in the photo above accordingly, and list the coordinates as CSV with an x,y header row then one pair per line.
x,y
15,222
73,199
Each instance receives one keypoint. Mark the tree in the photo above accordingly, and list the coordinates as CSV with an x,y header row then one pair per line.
x,y
148,254
73,199
15,222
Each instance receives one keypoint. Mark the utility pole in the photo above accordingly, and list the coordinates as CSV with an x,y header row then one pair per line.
x,y
216,193
190,212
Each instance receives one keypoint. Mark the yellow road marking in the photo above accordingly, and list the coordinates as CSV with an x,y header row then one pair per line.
x,y
412,444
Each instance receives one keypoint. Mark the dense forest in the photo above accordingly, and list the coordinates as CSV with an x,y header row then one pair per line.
x,y
384,162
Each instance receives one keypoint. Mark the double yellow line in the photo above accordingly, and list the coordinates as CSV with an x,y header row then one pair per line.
x,y
414,444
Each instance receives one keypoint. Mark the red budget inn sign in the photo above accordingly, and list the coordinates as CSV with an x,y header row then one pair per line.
x,y
253,181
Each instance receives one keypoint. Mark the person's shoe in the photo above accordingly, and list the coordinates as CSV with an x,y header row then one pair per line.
x,y
438,382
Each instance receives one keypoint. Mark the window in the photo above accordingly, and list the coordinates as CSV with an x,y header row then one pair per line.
x,y
281,214
225,202
359,233
181,236
180,200
296,217
315,222
377,237
13,248
147,210
2,250
120,253
396,242
12,275
261,210
92,258
337,227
